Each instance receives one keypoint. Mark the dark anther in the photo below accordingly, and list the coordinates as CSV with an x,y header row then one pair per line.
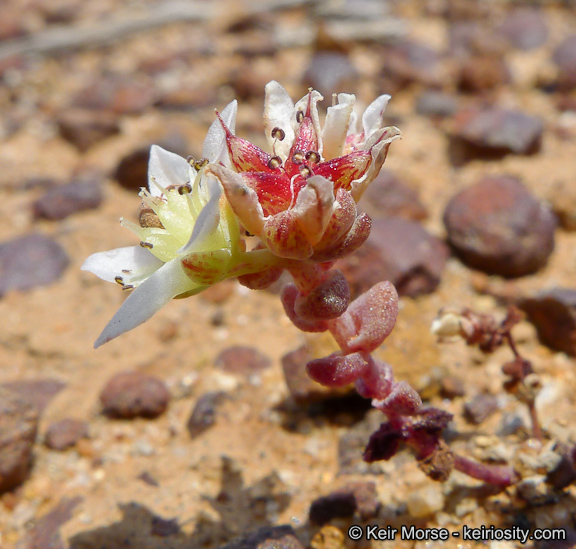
x,y
185,189
126,271
247,233
278,133
313,156
146,245
200,164
298,157
299,116
119,280
191,160
274,162
127,287
305,171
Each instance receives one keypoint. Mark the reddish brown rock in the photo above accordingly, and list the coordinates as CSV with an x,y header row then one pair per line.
x,y
436,104
482,72
242,360
400,251
330,71
564,57
36,392
389,196
65,433
553,313
132,394
84,127
30,261
498,227
64,200
492,133
18,427
525,28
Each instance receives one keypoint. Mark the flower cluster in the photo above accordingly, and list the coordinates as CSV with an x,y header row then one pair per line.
x,y
299,200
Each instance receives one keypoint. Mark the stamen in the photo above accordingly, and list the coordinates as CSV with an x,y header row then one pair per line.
x,y
200,164
126,271
146,245
119,280
278,133
334,99
191,160
275,162
299,116
298,157
313,156
305,171
127,287
185,189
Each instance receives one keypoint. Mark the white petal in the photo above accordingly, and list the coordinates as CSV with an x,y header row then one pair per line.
x,y
138,261
215,149
278,112
207,221
336,126
155,292
166,168
372,117
302,105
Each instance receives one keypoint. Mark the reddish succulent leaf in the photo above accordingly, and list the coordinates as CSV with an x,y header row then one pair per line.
x,y
289,295
337,370
283,237
328,300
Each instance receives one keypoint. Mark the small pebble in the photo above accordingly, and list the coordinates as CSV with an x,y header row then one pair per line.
x,y
564,57
65,433
400,251
356,497
38,393
242,360
436,104
425,501
499,227
64,200
329,71
482,72
268,537
525,28
553,313
30,261
480,408
132,394
204,413
85,128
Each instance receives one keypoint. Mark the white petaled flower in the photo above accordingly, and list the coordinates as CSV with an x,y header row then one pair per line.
x,y
190,219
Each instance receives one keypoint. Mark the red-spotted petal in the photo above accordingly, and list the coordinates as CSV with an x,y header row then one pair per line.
x,y
345,169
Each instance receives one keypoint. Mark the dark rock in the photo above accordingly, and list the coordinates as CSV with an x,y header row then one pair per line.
x,y
356,497
480,408
242,360
36,392
268,537
132,170
525,28
84,127
388,196
400,251
565,58
436,104
30,261
498,227
132,394
64,200
65,433
482,72
409,62
204,413
329,71
553,313
147,478
18,427
163,528
470,37
492,133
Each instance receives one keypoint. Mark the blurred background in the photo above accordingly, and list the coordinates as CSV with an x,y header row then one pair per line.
x,y
476,207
